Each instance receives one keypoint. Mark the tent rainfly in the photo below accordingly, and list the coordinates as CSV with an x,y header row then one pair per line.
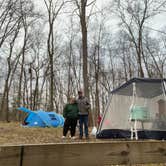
x,y
136,110
41,118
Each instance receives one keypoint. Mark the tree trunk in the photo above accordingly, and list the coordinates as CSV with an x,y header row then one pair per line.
x,y
84,47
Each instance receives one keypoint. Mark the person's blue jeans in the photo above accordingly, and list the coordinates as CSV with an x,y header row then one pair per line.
x,y
83,121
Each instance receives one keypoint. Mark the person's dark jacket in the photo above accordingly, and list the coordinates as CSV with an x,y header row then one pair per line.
x,y
70,111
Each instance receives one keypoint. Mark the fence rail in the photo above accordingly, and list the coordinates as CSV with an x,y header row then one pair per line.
x,y
81,154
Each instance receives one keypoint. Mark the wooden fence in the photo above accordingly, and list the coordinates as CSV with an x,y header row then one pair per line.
x,y
84,154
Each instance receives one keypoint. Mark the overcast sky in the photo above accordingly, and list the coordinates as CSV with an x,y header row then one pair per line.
x,y
157,23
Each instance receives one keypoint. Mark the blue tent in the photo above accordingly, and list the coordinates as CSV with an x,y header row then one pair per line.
x,y
41,118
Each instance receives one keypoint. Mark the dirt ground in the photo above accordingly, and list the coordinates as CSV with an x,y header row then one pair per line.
x,y
14,134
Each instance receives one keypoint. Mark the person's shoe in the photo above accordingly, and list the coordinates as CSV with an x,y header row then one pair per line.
x,y
73,137
80,137
63,137
87,137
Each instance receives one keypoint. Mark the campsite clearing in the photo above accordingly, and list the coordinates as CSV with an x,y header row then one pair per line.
x,y
14,134
32,146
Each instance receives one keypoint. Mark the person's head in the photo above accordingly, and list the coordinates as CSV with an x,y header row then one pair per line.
x,y
80,93
72,99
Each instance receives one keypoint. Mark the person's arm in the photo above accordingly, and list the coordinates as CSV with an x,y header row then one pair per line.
x,y
65,111
87,103
77,109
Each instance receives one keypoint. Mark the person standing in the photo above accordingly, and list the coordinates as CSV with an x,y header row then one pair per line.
x,y
70,113
83,107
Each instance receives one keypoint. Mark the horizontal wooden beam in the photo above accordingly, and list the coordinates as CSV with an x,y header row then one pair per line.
x,y
93,154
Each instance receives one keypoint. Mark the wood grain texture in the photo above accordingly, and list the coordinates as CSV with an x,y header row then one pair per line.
x,y
10,155
81,154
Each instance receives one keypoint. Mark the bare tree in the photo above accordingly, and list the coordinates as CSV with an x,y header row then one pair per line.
x,y
134,15
82,5
53,9
155,57
10,71
8,19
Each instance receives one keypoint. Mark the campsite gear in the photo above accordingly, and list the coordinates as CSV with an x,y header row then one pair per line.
x,y
140,113
94,131
41,118
137,114
99,119
131,111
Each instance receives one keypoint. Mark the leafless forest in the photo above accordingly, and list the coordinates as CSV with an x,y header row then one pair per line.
x,y
50,49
